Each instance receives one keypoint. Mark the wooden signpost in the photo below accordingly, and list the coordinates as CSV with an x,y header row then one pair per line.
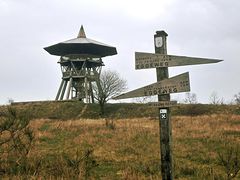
x,y
163,88
175,84
149,60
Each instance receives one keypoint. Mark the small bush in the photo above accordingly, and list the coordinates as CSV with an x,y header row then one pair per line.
x,y
229,158
16,141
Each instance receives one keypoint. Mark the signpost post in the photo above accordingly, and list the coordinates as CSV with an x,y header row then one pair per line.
x,y
165,129
163,88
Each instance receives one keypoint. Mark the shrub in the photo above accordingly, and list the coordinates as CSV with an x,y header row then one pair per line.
x,y
229,158
16,141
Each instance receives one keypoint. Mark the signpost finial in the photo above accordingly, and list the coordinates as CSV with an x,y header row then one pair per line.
x,y
161,33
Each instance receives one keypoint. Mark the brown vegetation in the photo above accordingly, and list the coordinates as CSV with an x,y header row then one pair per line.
x,y
82,148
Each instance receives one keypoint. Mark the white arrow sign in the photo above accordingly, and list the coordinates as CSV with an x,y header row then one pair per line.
x,y
149,60
175,84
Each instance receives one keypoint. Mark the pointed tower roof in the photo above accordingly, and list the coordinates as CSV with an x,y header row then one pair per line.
x,y
81,45
81,33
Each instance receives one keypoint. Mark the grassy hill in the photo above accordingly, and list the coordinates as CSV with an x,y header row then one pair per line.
x,y
71,141
75,109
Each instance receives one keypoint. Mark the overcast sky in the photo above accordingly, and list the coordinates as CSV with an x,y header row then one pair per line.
x,y
206,28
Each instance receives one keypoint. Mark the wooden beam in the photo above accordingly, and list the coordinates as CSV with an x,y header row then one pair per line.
x,y
59,90
165,130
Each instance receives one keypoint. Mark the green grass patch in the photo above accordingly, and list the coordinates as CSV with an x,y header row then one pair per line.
x,y
44,127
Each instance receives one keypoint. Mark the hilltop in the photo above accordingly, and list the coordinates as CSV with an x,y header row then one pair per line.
x,y
75,110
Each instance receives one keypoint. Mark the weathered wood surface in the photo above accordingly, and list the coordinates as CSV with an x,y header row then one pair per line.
x,y
165,129
175,84
162,104
148,60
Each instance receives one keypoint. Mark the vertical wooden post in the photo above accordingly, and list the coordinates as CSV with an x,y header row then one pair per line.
x,y
165,130
64,89
59,90
69,87
86,88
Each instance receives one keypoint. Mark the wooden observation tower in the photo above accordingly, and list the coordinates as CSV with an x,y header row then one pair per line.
x,y
81,64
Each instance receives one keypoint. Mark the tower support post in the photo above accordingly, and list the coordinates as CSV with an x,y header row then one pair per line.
x,y
59,90
64,89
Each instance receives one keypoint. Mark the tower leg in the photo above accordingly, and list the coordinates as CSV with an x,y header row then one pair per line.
x,y
86,90
63,90
69,88
91,91
97,75
59,90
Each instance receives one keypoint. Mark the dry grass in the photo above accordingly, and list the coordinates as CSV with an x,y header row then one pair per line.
x,y
131,151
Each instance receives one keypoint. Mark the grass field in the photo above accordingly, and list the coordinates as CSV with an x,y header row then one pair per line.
x,y
129,148
70,143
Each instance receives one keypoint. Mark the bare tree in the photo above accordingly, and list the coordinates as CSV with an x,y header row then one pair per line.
x,y
214,98
10,101
110,85
237,98
190,98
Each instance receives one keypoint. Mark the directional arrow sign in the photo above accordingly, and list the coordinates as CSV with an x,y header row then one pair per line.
x,y
149,60
175,84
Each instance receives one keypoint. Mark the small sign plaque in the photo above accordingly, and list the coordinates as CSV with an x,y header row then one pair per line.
x,y
162,104
163,113
158,41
